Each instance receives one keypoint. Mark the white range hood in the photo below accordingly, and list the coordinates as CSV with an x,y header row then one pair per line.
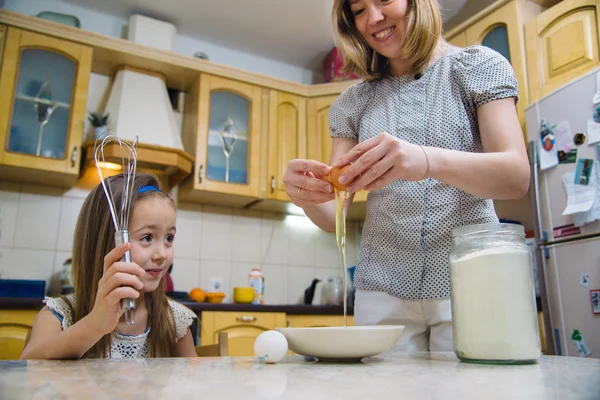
x,y
139,105
139,102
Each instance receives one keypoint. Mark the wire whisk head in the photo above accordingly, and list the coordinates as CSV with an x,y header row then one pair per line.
x,y
120,215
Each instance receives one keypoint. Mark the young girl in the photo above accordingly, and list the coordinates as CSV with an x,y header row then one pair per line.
x,y
89,323
433,135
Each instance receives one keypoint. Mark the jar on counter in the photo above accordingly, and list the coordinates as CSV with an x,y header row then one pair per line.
x,y
494,315
333,291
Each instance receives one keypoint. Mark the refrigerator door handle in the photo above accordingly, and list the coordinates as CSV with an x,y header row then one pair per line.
x,y
542,252
552,346
534,191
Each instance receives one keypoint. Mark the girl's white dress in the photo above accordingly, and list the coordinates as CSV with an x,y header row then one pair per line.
x,y
125,346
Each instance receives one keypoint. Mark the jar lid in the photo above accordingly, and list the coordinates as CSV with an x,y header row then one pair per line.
x,y
487,229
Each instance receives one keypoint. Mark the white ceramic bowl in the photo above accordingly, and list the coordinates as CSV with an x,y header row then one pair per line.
x,y
349,344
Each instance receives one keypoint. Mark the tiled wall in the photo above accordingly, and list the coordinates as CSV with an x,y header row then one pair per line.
x,y
36,234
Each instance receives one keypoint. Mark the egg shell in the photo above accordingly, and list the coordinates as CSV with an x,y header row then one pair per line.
x,y
270,346
334,176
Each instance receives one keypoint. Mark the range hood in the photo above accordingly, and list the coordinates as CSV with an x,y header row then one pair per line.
x,y
139,105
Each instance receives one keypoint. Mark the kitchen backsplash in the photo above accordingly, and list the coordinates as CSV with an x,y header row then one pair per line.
x,y
37,225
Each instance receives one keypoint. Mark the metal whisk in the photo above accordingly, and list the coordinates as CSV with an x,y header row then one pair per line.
x,y
120,216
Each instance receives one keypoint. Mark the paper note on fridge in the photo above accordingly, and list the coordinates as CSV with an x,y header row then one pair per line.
x,y
593,131
564,137
593,213
580,198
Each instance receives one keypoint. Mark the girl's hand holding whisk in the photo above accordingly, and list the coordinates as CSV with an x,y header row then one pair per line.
x,y
120,280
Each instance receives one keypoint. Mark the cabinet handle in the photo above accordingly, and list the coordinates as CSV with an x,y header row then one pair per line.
x,y
201,174
73,157
272,184
246,318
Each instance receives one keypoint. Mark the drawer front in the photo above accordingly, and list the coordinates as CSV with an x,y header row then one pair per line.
x,y
223,320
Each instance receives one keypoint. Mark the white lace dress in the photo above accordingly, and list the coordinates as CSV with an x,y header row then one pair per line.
x,y
125,346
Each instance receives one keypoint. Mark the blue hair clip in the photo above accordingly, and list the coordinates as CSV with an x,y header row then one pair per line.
x,y
148,188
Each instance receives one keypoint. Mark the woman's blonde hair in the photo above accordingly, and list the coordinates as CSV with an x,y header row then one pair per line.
x,y
423,31
94,238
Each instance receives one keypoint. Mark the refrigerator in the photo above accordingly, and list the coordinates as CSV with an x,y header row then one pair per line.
x,y
567,257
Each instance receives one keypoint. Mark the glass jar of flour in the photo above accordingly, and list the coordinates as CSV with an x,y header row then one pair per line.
x,y
494,314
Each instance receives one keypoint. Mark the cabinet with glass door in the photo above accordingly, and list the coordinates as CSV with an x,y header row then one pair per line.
x,y
500,27
43,95
222,127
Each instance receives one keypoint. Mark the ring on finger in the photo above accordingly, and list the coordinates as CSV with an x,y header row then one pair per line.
x,y
299,189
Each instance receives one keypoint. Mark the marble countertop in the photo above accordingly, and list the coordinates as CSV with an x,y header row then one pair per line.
x,y
389,376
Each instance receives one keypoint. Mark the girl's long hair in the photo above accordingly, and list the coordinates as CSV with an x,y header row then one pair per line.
x,y
94,238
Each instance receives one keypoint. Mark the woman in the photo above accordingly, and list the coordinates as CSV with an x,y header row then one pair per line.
x,y
433,134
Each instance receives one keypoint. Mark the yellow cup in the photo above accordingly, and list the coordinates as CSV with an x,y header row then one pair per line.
x,y
243,295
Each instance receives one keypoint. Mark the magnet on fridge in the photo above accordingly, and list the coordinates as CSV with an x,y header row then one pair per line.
x,y
567,158
585,279
547,135
583,171
580,345
597,114
595,297
579,138
548,142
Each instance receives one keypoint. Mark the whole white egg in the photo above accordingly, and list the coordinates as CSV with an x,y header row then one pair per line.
x,y
270,346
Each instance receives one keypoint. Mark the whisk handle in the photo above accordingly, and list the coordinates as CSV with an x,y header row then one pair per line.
x,y
120,238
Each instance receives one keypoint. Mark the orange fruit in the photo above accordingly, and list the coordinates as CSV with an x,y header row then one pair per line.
x,y
334,175
197,294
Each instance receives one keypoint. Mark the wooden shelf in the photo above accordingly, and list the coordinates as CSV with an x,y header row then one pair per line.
x,y
181,71
170,165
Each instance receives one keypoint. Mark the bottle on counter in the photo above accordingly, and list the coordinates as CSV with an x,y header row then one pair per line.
x,y
333,291
66,278
256,280
494,315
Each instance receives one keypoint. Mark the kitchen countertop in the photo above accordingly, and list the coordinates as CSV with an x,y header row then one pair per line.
x,y
390,376
9,303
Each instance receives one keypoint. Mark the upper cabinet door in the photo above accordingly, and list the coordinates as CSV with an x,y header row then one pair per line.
x,y
562,44
497,39
317,125
2,37
287,138
222,128
318,134
500,30
43,96
459,40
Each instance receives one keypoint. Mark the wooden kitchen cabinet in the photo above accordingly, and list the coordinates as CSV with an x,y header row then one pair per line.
x,y
43,96
287,138
319,143
562,44
242,328
459,40
2,37
284,139
222,128
14,327
500,27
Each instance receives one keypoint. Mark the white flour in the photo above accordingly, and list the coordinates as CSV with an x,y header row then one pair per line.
x,y
493,306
